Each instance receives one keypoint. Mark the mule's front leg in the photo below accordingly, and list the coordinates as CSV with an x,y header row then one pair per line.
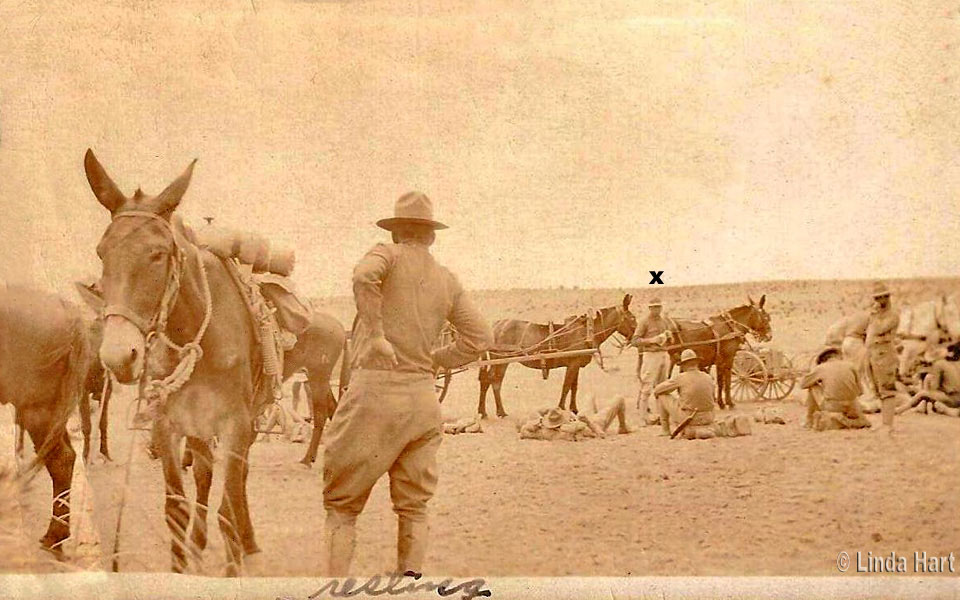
x,y
234,515
499,373
568,378
203,478
175,506
104,408
574,385
484,378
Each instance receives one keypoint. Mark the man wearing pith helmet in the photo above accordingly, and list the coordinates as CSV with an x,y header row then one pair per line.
x,y
882,353
654,362
388,421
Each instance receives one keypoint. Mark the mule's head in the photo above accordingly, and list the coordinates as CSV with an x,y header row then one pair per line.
x,y
628,321
139,255
757,319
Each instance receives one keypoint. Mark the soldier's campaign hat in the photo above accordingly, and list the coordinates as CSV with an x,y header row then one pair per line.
x,y
688,355
655,301
880,289
825,353
412,207
552,419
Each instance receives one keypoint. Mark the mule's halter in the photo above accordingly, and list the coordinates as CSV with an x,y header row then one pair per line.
x,y
742,327
191,352
158,321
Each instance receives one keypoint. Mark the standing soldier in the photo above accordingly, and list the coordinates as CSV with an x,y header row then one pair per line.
x,y
389,419
653,365
882,353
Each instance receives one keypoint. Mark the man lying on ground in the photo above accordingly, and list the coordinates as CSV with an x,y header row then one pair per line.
x,y
559,424
832,389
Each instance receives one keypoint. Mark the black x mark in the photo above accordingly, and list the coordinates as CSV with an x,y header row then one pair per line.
x,y
656,277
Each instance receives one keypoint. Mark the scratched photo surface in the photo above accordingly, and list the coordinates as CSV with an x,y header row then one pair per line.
x,y
773,158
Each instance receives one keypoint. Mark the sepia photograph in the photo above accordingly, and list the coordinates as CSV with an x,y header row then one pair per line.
x,y
306,299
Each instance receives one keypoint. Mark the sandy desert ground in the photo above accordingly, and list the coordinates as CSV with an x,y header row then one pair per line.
x,y
783,501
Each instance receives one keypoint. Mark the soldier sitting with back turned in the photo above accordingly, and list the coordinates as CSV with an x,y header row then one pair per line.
x,y
832,389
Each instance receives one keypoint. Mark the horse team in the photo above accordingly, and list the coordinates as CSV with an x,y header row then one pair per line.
x,y
173,318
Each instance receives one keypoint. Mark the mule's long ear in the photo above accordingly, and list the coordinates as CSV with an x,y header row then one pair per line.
x,y
170,198
626,301
103,187
90,296
763,299
750,299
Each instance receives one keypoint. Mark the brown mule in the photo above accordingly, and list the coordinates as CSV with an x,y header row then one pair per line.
x,y
717,340
44,358
203,357
577,333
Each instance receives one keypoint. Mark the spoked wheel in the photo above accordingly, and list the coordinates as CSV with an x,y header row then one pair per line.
x,y
782,377
749,377
442,384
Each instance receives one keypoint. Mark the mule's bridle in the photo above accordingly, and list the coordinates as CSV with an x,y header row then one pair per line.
x,y
189,353
742,327
158,321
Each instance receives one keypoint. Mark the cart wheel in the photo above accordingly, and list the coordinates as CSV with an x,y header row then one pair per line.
x,y
782,377
749,378
443,385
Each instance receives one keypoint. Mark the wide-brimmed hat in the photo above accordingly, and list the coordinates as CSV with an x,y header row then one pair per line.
x,y
412,207
880,289
688,355
824,353
552,419
655,301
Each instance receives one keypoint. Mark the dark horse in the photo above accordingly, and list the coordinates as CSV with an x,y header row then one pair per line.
x,y
44,358
576,333
717,340
175,317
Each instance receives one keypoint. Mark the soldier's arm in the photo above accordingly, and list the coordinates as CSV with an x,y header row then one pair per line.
x,y
666,387
474,335
639,333
367,278
810,379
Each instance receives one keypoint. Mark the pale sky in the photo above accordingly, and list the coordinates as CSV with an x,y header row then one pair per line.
x,y
565,143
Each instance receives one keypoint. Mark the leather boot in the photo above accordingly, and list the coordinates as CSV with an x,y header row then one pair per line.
x,y
412,537
341,540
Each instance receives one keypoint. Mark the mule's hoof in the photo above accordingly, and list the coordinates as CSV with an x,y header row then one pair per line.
x,y
305,464
501,415
483,415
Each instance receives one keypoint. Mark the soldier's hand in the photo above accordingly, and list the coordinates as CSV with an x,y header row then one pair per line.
x,y
380,354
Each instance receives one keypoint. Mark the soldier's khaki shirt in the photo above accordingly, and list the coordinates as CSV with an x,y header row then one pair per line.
x,y
403,294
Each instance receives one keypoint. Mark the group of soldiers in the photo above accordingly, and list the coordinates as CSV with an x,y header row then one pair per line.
x,y
833,385
389,422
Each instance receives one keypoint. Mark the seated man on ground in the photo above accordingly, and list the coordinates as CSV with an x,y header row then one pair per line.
x,y
694,397
560,424
941,389
833,385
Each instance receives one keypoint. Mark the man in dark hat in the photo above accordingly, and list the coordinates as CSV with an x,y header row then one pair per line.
x,y
653,365
695,392
882,353
832,389
389,419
